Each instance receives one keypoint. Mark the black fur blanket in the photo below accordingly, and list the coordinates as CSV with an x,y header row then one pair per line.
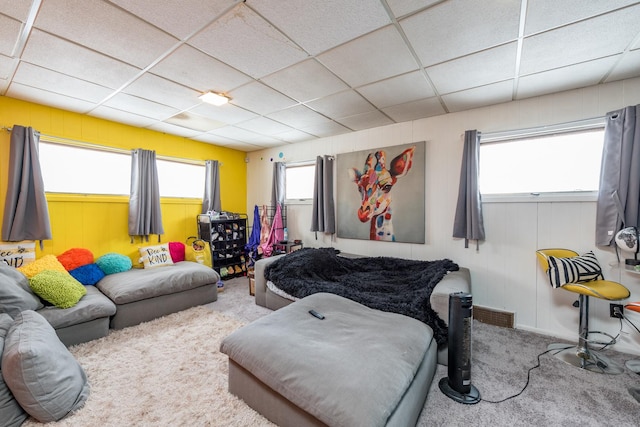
x,y
384,283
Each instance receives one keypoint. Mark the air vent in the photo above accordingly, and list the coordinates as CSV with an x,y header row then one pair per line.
x,y
492,316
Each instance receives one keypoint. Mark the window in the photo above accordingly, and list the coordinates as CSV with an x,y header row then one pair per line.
x,y
299,179
554,161
86,170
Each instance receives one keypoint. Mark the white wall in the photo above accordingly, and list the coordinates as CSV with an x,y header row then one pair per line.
x,y
504,271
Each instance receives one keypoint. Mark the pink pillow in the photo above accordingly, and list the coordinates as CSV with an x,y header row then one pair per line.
x,y
176,250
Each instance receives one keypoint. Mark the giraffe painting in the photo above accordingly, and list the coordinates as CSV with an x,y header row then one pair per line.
x,y
375,183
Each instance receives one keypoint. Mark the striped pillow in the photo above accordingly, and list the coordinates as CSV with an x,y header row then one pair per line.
x,y
573,270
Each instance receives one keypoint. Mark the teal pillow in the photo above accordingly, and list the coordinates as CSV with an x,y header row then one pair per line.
x,y
11,413
112,263
42,374
58,288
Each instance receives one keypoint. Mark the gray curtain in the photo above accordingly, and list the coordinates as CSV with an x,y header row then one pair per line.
x,y
211,199
619,194
145,217
26,213
323,216
278,190
468,223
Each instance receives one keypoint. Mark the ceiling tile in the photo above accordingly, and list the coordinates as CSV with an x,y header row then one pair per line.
x,y
294,136
194,121
120,116
341,104
264,126
370,58
465,31
543,15
177,17
321,25
16,9
305,81
366,120
225,142
479,97
603,36
628,67
403,7
51,99
9,31
141,107
566,78
398,90
104,28
325,129
298,116
68,58
239,134
163,91
6,66
415,110
192,68
260,99
488,66
248,43
228,113
41,78
174,130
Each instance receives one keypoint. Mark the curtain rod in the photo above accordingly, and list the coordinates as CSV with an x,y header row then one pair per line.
x,y
90,145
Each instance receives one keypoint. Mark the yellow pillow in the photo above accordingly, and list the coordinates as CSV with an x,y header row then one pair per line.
x,y
47,262
155,256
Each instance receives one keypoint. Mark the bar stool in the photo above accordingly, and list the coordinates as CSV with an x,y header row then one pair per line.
x,y
581,275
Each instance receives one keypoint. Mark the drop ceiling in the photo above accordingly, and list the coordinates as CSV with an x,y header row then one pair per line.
x,y
299,70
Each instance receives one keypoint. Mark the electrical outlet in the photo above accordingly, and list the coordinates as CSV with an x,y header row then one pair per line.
x,y
615,310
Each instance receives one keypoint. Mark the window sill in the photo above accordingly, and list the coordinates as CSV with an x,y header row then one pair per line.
x,y
586,196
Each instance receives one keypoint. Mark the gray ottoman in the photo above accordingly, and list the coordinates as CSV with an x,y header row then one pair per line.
x,y
355,367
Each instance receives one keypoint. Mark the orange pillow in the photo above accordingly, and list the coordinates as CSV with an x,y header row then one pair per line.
x,y
75,257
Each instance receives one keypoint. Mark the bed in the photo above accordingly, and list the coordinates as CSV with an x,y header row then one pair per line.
x,y
454,279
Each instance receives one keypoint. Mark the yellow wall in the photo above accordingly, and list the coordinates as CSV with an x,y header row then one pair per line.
x,y
99,223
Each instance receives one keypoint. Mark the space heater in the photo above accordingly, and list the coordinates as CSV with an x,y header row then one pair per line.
x,y
458,384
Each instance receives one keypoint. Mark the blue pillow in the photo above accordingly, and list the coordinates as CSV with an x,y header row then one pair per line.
x,y
89,274
114,263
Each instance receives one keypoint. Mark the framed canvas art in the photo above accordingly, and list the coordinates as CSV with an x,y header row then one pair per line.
x,y
380,194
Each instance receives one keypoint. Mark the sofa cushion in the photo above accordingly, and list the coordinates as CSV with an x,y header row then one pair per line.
x,y
43,376
113,263
94,305
47,262
11,413
89,274
75,257
60,289
15,294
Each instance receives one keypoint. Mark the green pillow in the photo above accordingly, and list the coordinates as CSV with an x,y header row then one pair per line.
x,y
58,288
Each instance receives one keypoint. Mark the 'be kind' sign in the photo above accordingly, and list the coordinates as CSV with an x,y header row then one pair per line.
x,y
17,254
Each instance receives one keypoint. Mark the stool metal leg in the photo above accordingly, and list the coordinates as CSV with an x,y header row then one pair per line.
x,y
581,355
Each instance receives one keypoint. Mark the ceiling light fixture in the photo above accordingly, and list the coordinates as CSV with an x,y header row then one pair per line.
x,y
214,98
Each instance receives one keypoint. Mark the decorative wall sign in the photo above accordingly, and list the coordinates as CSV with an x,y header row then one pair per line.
x,y
17,254
381,194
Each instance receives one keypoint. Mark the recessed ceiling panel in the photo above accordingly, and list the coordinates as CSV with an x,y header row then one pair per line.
x,y
104,28
264,126
415,110
163,92
403,7
120,116
194,121
141,107
260,99
305,81
365,120
174,129
496,93
178,17
342,104
320,25
248,43
488,66
228,113
52,99
77,61
628,67
294,136
325,129
370,58
398,90
459,27
298,116
6,66
239,134
599,37
16,9
9,31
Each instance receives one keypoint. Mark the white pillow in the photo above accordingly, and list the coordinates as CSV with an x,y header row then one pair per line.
x,y
155,256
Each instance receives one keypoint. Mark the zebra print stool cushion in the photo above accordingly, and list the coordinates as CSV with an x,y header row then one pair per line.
x,y
573,270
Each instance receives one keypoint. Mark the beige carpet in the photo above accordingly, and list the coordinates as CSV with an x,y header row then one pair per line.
x,y
167,372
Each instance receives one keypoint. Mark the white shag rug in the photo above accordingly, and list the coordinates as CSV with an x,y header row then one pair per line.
x,y
166,372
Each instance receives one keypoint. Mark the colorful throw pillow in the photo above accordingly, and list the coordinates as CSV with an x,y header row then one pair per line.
x,y
60,289
75,257
11,413
112,263
576,269
89,274
155,256
47,262
42,374
176,249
